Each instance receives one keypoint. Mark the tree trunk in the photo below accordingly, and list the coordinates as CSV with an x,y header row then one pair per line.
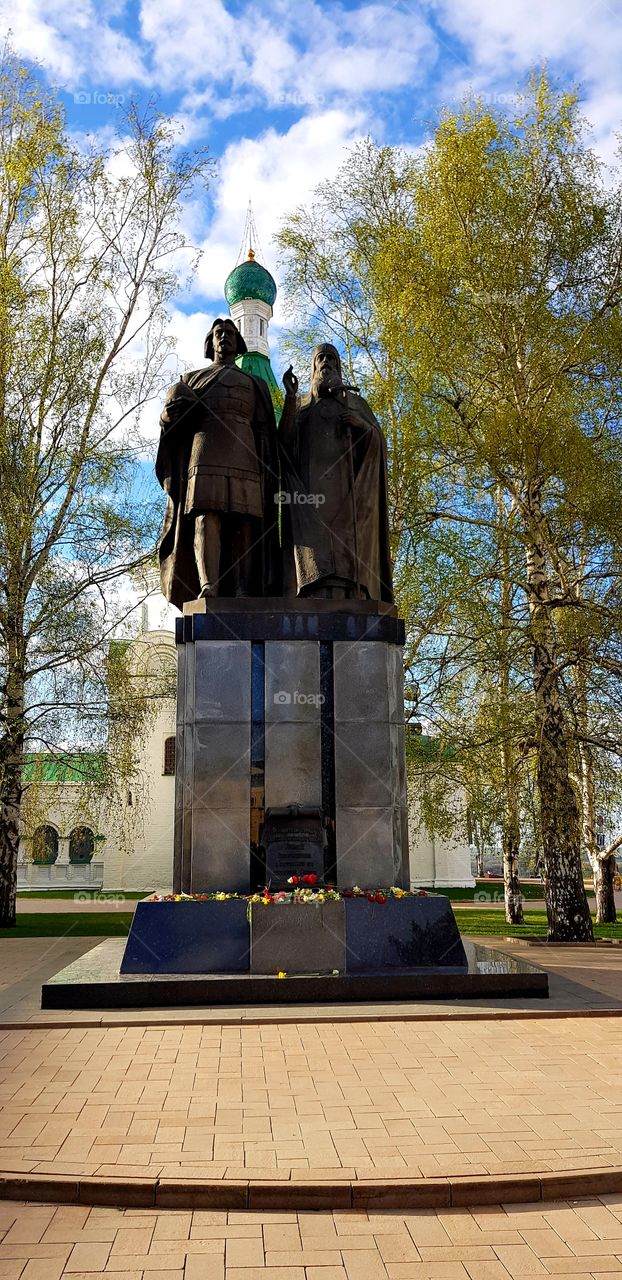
x,y
604,869
567,907
603,864
10,801
511,817
511,842
11,772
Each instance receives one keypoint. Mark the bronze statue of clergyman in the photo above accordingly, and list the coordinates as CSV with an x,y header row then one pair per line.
x,y
333,489
218,464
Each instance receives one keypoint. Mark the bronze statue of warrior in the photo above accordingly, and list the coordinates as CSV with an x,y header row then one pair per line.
x,y
333,489
218,464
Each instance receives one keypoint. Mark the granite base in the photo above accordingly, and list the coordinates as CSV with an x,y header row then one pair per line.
x,y
189,937
94,981
351,936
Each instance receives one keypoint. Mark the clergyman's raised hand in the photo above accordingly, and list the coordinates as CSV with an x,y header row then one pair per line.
x,y
290,382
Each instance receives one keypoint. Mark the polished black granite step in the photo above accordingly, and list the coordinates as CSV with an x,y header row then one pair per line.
x,y
94,981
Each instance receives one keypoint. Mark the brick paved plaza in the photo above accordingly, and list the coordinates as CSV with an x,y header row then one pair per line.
x,y
287,1101
366,1137
575,1240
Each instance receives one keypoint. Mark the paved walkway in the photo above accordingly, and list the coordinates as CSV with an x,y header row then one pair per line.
x,y
339,1101
582,1240
343,1095
61,906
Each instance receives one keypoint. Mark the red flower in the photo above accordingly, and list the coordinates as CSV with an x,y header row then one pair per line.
x,y
380,897
370,897
310,879
293,880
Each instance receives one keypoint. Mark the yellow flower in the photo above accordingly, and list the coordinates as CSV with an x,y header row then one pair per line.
x,y
281,974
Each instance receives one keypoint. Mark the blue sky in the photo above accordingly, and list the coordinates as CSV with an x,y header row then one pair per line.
x,y
280,89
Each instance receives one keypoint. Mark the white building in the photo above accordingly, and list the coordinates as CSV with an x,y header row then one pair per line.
x,y
130,845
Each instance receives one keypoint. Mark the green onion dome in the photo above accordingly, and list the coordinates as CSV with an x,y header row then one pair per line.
x,y
250,280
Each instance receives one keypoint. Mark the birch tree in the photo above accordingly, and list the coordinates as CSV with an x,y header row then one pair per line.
x,y
89,255
492,287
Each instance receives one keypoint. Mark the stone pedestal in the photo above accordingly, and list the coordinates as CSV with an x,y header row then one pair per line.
x,y
284,703
351,936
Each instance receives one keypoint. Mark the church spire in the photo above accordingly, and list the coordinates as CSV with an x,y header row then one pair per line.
x,y
250,238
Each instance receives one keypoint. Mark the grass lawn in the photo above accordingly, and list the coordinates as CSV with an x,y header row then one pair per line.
x,y
491,922
98,924
116,924
493,890
133,895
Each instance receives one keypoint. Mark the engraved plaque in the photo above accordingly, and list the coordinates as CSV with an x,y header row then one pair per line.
x,y
294,839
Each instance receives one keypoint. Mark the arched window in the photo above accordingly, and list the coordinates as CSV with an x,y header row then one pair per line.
x,y
262,327
169,757
45,845
81,844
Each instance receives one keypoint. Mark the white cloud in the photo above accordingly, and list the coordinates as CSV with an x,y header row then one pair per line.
x,y
582,43
277,171
75,41
290,54
204,46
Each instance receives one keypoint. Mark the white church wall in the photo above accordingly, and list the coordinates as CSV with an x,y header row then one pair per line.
x,y
139,848
438,862
61,806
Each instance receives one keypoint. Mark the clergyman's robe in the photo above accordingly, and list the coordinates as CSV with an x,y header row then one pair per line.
x,y
334,503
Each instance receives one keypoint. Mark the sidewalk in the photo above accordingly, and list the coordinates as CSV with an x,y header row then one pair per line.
x,y
59,906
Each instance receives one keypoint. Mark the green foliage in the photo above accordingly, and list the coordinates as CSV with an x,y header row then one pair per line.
x,y
475,288
89,258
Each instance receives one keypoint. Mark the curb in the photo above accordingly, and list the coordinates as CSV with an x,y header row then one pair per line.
x,y
452,1014
403,1193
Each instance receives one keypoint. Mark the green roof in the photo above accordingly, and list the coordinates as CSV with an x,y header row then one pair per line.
x,y
250,280
259,365
75,766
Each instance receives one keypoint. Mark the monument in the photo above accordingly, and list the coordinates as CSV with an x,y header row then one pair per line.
x,y
289,702
333,489
291,853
